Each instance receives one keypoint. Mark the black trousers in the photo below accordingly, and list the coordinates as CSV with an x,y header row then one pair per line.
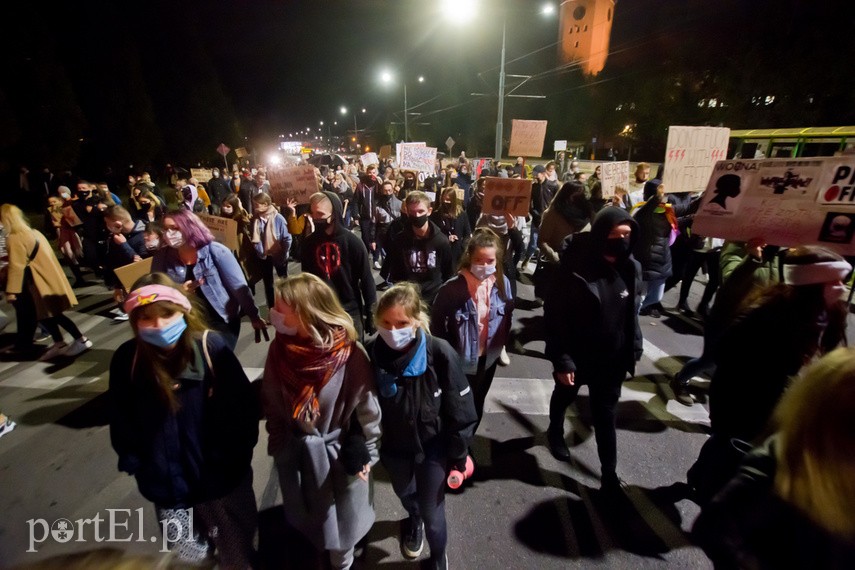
x,y
25,314
480,383
366,229
604,390
267,267
421,488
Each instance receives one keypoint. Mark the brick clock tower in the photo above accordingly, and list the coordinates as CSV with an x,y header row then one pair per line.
x,y
586,26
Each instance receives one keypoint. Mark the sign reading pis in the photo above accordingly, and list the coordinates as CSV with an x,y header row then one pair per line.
x,y
506,195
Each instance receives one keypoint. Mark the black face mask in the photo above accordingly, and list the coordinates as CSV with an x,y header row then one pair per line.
x,y
418,221
617,247
145,207
321,225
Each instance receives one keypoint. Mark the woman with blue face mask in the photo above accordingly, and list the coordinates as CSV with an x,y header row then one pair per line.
x,y
428,416
474,311
184,424
322,416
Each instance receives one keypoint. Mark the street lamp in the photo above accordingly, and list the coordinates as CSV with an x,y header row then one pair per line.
x,y
355,129
386,77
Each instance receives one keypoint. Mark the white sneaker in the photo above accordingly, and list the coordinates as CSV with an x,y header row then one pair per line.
x,y
6,426
504,359
78,346
54,350
121,317
377,265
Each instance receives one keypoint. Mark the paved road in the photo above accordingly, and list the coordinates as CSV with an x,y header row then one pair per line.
x,y
523,510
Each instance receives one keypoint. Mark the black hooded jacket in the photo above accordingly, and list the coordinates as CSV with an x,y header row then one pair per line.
x,y
341,261
591,308
427,261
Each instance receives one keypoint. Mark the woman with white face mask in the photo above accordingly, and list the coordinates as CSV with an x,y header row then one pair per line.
x,y
474,311
209,271
322,416
428,416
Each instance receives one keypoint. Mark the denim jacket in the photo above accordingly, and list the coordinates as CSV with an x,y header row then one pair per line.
x,y
454,318
221,279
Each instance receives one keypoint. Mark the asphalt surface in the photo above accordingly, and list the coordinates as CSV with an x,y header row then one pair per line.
x,y
523,509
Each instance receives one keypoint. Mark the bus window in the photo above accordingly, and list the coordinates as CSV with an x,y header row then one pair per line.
x,y
820,148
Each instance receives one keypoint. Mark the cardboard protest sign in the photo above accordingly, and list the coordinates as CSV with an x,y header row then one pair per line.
x,y
385,151
368,159
512,195
128,274
690,155
224,230
417,158
527,138
297,182
461,194
398,147
559,145
787,202
614,175
241,152
71,217
202,175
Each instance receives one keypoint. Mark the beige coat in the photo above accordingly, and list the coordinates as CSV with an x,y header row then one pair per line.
x,y
52,294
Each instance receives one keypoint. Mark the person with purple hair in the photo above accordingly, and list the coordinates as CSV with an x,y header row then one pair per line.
x,y
209,270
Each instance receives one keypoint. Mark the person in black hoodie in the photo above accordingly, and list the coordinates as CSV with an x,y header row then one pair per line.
x,y
218,190
339,258
364,199
592,332
421,253
453,221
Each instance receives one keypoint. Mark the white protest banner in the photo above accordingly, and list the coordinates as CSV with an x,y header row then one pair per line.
x,y
785,201
128,274
417,158
369,158
432,196
202,175
559,145
690,155
297,182
224,230
398,150
527,138
614,174
512,195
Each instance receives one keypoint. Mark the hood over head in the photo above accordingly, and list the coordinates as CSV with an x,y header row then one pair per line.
x,y
605,220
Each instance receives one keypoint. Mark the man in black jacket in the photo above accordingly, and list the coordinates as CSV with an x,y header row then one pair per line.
x,y
335,254
421,252
365,199
592,332
542,192
218,190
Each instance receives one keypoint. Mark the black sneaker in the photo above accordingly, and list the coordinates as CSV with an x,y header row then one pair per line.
x,y
681,392
557,445
412,537
611,484
684,308
439,562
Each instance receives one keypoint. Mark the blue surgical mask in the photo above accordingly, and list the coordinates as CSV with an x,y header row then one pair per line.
x,y
277,319
481,272
397,339
163,337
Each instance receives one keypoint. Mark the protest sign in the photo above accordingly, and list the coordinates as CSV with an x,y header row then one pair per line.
x,y
241,152
417,158
512,195
385,151
202,175
71,217
690,155
527,138
461,194
224,230
613,175
559,145
297,182
128,274
369,158
786,201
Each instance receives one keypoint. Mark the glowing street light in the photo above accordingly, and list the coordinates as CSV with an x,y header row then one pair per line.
x,y
344,110
547,10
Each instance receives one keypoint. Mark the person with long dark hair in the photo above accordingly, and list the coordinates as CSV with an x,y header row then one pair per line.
x,y
184,422
452,220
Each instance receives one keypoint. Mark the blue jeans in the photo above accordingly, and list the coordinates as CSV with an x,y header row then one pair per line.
x,y
532,240
655,291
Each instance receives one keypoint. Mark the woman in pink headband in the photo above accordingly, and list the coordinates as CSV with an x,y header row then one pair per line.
x,y
185,422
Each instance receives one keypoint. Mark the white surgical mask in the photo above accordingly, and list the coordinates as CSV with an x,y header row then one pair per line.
x,y
481,272
277,319
174,238
397,339
152,244
227,210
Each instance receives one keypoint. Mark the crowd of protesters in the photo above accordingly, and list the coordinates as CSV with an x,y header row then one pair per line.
x,y
354,377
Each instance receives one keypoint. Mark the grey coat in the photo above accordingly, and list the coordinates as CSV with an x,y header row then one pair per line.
x,y
330,508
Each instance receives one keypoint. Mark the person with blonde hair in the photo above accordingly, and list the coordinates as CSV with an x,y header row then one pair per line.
x,y
792,505
322,416
184,422
148,207
38,288
429,416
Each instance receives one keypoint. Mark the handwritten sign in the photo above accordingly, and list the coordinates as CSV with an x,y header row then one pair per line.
x,y
690,155
559,145
501,195
224,230
241,152
417,158
128,274
369,158
527,138
385,151
202,175
297,182
613,175
787,202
